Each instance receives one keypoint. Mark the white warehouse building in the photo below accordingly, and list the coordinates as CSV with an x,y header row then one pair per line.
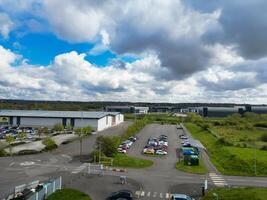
x,y
37,118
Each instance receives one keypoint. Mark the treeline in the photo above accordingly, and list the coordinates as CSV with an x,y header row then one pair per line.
x,y
91,105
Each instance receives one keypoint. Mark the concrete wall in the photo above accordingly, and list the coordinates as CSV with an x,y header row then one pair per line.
x,y
32,121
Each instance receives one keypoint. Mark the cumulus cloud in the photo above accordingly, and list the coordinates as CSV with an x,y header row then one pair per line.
x,y
6,25
185,50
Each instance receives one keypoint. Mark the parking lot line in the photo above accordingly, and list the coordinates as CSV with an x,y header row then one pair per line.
x,y
142,193
167,195
154,194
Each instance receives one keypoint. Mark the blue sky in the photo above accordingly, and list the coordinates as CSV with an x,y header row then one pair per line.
x,y
159,51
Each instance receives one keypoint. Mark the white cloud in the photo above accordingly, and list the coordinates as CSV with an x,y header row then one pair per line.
x,y
6,25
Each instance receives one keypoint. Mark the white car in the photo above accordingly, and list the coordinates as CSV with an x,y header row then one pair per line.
x,y
161,152
163,143
129,142
121,150
185,141
184,137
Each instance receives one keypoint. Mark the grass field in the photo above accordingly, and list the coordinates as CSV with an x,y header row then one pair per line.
x,y
242,138
200,169
122,160
228,159
237,194
68,194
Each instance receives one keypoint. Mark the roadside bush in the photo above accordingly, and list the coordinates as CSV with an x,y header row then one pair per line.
x,y
264,137
224,142
261,124
58,127
264,148
49,143
2,153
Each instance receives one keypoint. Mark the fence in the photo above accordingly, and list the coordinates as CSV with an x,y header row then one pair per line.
x,y
49,188
35,190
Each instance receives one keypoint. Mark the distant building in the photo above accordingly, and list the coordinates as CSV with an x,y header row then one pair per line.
x,y
127,109
37,118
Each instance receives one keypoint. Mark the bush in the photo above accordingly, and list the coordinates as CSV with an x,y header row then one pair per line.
x,y
49,143
264,137
94,155
108,145
264,148
58,127
2,153
261,124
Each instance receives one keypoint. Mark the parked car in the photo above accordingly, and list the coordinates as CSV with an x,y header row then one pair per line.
x,y
161,152
133,138
183,137
163,136
181,197
122,194
161,142
126,146
122,150
149,151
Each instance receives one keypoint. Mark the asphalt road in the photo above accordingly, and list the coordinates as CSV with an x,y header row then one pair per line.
x,y
151,183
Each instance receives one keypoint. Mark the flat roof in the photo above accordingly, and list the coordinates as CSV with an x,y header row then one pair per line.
x,y
56,114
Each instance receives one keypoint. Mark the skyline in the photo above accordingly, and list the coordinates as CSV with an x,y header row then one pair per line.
x,y
154,51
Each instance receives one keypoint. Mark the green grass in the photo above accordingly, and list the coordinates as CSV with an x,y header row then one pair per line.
x,y
200,169
237,194
68,194
228,159
241,137
122,160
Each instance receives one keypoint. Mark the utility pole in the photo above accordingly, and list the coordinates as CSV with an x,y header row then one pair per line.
x,y
255,159
99,153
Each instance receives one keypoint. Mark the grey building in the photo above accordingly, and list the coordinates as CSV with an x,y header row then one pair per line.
x,y
36,118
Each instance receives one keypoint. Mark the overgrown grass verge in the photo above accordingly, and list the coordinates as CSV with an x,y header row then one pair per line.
x,y
228,159
122,160
200,169
237,194
68,194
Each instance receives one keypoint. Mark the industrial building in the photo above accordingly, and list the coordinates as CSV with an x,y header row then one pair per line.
x,y
127,109
225,111
37,118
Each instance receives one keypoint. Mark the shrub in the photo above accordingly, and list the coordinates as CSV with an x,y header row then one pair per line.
x,y
264,148
94,155
2,153
224,142
261,124
264,137
49,143
108,145
58,127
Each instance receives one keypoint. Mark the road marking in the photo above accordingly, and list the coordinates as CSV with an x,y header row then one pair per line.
x,y
11,164
218,180
160,195
67,156
137,193
80,168
154,194
148,194
167,195
142,193
27,163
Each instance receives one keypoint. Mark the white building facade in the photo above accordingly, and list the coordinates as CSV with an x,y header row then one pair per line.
x,y
38,118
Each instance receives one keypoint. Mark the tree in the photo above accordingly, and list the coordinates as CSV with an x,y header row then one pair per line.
x,y
81,132
22,136
108,144
9,140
